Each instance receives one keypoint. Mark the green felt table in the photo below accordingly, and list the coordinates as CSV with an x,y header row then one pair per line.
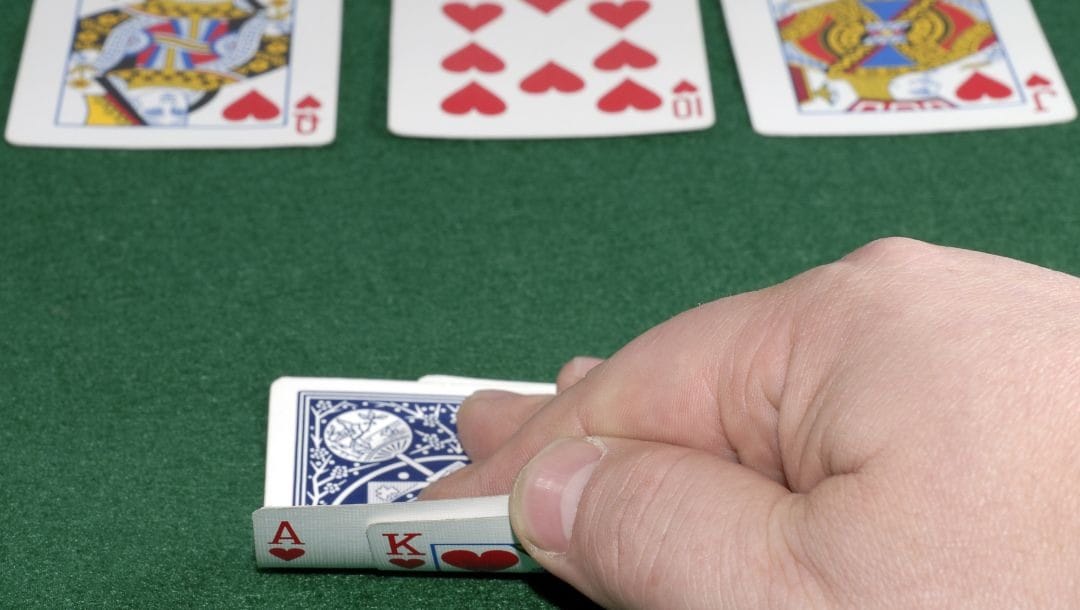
x,y
148,299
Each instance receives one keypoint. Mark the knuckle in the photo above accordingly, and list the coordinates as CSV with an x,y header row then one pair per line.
x,y
571,372
891,252
879,277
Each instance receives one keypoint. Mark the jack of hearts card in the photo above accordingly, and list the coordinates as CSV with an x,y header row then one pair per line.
x,y
840,67
178,74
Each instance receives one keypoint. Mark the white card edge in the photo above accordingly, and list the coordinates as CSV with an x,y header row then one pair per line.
x,y
11,130
478,383
408,133
421,510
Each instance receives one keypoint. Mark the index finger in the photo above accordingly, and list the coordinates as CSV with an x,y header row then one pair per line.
x,y
707,379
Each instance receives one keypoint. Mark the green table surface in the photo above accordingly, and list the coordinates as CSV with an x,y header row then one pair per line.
x,y
148,299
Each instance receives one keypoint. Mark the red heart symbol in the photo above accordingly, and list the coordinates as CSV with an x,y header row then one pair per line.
x,y
489,561
978,86
546,5
472,18
254,104
473,56
625,54
629,94
309,102
685,87
474,97
618,15
1037,80
408,564
287,554
552,76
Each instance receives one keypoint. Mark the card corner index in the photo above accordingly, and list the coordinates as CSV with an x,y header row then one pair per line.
x,y
311,537
464,544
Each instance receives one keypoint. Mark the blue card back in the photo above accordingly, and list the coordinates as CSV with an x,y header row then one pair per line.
x,y
372,448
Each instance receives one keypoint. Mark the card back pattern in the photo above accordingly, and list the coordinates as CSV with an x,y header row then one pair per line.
x,y
372,448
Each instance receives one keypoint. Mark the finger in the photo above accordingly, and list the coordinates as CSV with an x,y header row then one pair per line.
x,y
489,417
646,525
574,371
709,379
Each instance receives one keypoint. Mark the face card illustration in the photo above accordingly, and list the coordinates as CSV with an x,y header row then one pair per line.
x,y
547,68
836,67
335,442
178,74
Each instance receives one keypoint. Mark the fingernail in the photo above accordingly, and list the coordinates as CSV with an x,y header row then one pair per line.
x,y
488,396
581,365
547,493
482,399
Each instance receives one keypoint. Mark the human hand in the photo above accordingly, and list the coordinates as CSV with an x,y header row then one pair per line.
x,y
900,428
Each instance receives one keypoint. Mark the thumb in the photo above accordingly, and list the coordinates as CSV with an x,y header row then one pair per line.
x,y
639,524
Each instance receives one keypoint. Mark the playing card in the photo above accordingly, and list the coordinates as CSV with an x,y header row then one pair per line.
x,y
466,535
346,458
178,74
547,68
349,441
476,544
474,384
837,67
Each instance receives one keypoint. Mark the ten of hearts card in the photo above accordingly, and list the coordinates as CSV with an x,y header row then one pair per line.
x,y
547,68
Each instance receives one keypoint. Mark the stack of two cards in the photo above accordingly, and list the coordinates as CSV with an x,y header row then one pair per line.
x,y
345,460
565,68
257,73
